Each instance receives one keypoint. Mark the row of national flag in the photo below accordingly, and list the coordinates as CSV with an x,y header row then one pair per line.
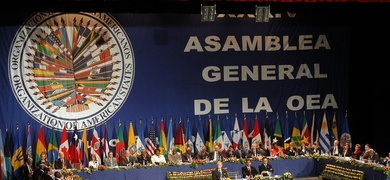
x,y
78,148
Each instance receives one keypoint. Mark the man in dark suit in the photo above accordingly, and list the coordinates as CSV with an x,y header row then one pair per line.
x,y
239,152
219,173
254,151
27,169
265,168
229,153
48,172
62,162
248,171
187,156
216,154
203,154
144,158
336,149
128,159
304,150
291,150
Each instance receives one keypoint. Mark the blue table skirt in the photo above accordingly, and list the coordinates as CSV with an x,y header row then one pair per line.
x,y
300,167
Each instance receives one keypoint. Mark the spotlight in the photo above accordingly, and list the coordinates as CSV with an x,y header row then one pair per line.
x,y
208,13
262,13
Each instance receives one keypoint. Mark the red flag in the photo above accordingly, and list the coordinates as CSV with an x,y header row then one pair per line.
x,y
64,146
245,141
95,146
179,139
73,152
256,137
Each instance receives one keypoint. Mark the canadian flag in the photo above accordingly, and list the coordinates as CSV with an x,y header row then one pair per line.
x,y
64,146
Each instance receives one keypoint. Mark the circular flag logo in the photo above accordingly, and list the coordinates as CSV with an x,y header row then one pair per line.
x,y
70,69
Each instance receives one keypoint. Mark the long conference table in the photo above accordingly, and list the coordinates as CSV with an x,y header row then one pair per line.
x,y
299,167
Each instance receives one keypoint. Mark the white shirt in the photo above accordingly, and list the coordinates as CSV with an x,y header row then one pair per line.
x,y
93,164
158,159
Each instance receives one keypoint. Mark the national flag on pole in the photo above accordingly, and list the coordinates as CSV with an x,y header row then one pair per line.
x,y
236,133
188,135
335,134
163,139
106,148
17,159
305,133
29,142
218,135
199,140
95,146
131,140
140,138
73,152
209,138
296,133
267,139
345,135
7,152
324,135
170,139
64,146
84,148
150,140
226,136
314,131
41,146
286,132
256,137
245,141
3,164
278,137
120,145
131,136
179,139
52,149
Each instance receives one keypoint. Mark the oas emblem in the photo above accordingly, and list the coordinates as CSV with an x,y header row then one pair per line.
x,y
71,67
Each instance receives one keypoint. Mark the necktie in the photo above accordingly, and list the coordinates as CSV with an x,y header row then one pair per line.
x,y
220,173
62,163
110,161
239,152
250,172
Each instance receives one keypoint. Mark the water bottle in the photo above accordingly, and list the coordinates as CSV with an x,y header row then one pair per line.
x,y
235,176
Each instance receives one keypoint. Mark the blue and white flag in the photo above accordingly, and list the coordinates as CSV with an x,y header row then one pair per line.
x,y
324,135
199,140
